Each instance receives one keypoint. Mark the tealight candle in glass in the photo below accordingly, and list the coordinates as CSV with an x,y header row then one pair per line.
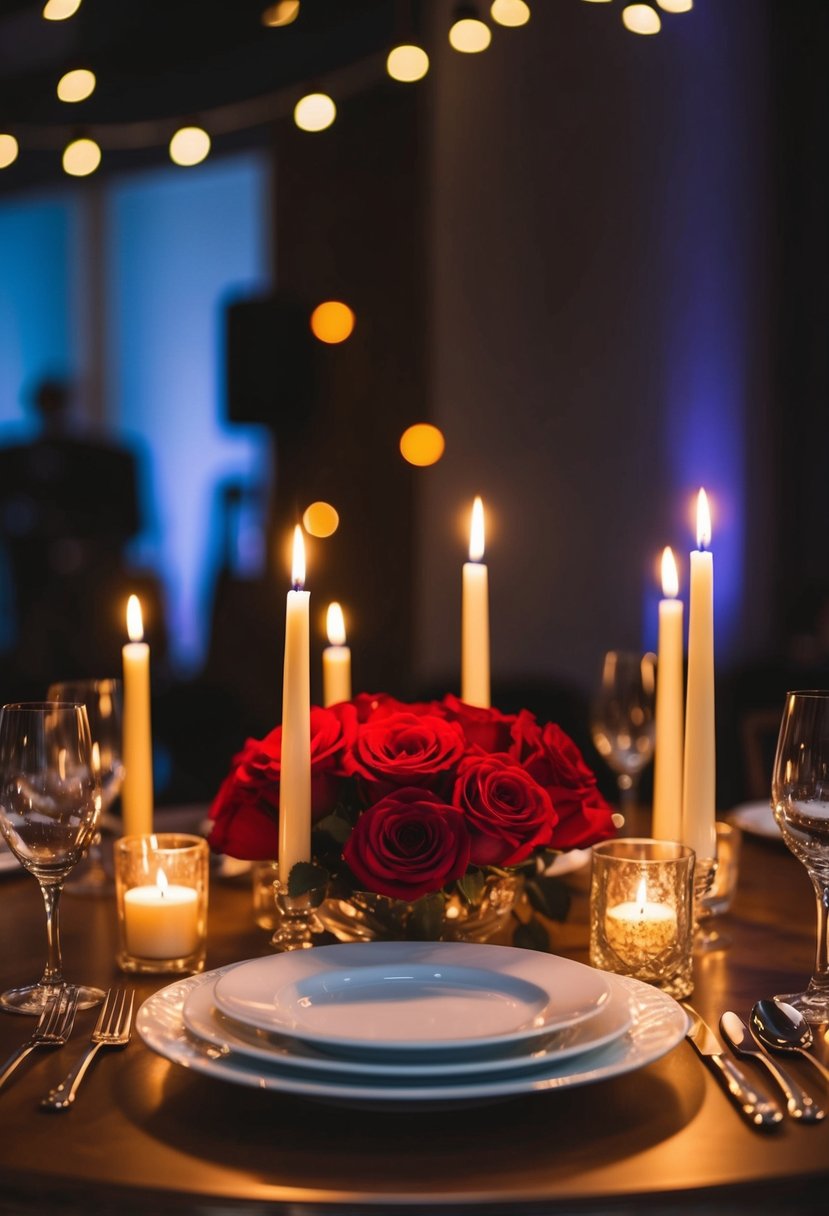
x,y
641,912
161,886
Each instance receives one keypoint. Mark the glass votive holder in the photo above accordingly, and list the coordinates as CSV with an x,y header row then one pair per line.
x,y
641,912
720,895
161,895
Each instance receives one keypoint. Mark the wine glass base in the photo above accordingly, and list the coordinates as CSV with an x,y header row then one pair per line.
x,y
813,1005
33,998
707,941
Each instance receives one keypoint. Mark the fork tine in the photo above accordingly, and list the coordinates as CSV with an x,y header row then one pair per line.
x,y
126,1015
52,1012
105,1016
70,1009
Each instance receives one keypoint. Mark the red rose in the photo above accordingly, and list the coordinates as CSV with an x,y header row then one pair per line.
x,y
372,705
552,758
404,749
507,813
488,729
408,844
245,812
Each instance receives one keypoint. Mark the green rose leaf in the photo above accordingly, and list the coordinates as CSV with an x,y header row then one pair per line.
x,y
531,936
549,896
471,886
335,826
304,877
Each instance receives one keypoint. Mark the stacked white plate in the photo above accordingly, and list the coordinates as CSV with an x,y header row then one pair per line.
x,y
407,1023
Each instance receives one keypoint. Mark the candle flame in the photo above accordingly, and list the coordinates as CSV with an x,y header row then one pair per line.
x,y
135,621
96,759
162,882
641,895
335,625
670,578
703,521
298,560
476,531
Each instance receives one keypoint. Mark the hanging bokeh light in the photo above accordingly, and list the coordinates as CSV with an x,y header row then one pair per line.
x,y
59,10
189,146
641,19
81,157
283,13
422,444
332,322
8,150
314,112
676,6
320,519
407,63
469,35
76,85
510,13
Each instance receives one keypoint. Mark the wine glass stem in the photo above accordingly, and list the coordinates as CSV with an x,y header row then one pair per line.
x,y
821,976
628,792
54,964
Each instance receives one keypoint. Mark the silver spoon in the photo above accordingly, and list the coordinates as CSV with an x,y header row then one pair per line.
x,y
799,1104
784,1028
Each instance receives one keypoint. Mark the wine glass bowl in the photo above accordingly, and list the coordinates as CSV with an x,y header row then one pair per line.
x,y
622,719
800,802
50,803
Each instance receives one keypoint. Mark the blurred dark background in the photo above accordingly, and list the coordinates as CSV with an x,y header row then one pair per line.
x,y
597,261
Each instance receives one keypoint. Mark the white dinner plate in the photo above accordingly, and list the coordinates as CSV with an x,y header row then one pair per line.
x,y
568,863
411,998
658,1025
203,1020
756,818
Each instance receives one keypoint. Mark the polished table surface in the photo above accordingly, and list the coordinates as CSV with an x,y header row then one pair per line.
x,y
146,1135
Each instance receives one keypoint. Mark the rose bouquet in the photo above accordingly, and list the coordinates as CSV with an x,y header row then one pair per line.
x,y
421,812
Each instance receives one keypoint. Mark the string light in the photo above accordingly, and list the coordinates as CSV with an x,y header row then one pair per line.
x,y
422,444
407,63
189,146
332,322
59,10
676,6
284,13
76,85
510,13
321,519
641,19
8,150
81,157
314,112
468,33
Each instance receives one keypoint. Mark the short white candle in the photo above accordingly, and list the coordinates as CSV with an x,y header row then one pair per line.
x,y
475,688
295,768
667,774
161,921
639,930
700,771
336,659
137,790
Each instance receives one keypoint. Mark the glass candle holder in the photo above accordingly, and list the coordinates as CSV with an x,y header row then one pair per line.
x,y
161,893
641,912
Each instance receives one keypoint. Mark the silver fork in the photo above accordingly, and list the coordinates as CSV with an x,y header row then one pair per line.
x,y
112,1030
52,1030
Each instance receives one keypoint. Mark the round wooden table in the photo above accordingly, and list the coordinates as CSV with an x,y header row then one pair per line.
x,y
147,1136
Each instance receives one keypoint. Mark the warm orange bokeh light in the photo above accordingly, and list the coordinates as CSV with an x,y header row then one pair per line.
x,y
422,444
332,322
320,519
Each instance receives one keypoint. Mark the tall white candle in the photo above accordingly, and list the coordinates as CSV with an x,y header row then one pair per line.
x,y
667,775
700,775
336,659
295,771
137,790
475,623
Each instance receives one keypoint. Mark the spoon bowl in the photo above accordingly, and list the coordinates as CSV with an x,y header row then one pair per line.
x,y
783,1028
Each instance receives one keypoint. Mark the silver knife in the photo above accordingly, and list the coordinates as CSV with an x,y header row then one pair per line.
x,y
753,1103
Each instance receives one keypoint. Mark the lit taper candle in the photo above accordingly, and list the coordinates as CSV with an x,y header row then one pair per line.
x,y
700,774
137,790
475,623
667,774
336,659
295,769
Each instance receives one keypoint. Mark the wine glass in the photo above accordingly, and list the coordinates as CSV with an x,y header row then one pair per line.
x,y
800,802
50,802
103,701
622,719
